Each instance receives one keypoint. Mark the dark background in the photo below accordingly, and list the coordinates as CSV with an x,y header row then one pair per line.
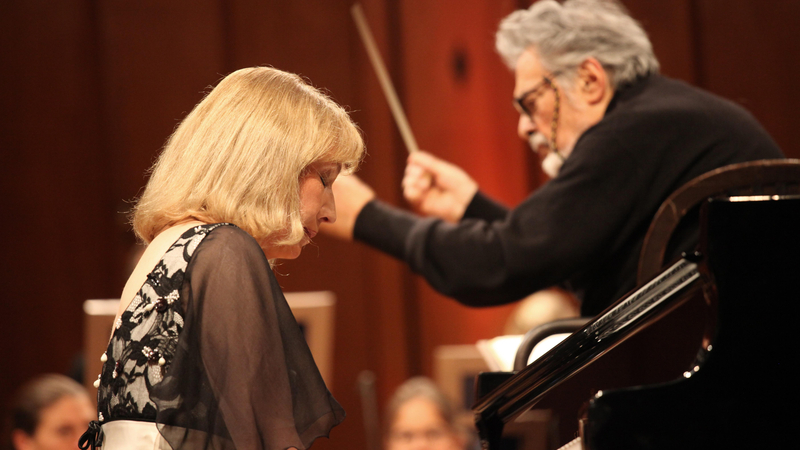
x,y
91,89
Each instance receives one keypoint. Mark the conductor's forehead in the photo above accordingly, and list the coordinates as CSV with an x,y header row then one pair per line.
x,y
528,72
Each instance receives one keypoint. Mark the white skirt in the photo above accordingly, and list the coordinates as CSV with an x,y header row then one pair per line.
x,y
132,435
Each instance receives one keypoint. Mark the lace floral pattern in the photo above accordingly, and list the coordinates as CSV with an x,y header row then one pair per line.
x,y
209,350
144,341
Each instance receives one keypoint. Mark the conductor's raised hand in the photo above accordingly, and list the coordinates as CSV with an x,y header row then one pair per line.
x,y
437,188
351,195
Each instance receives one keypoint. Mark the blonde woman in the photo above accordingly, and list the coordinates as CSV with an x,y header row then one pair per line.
x,y
205,352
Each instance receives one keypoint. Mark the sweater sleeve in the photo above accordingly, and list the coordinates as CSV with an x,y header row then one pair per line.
x,y
586,226
483,207
386,228
554,233
565,227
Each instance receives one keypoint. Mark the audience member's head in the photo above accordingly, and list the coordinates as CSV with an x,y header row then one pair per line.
x,y
49,413
420,417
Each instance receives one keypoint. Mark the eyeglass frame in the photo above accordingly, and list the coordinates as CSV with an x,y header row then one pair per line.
x,y
519,104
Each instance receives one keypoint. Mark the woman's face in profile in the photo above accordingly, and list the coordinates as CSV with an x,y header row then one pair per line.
x,y
60,425
316,206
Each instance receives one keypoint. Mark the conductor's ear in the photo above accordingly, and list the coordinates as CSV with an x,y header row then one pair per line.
x,y
593,82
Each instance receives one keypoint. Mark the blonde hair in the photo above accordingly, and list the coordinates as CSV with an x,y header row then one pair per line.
x,y
239,155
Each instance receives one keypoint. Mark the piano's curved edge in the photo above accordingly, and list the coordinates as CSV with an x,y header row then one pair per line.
x,y
616,324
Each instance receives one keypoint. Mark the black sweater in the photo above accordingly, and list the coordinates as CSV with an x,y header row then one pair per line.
x,y
583,229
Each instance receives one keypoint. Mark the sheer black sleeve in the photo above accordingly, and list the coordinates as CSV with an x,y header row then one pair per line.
x,y
243,376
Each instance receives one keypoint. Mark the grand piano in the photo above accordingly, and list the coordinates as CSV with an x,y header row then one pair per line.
x,y
698,357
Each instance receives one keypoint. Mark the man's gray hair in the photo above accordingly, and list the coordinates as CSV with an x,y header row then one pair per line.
x,y
564,35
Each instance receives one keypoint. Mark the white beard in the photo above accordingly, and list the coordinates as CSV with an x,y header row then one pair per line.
x,y
552,162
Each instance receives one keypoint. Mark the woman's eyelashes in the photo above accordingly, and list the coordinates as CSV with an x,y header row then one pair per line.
x,y
328,177
327,174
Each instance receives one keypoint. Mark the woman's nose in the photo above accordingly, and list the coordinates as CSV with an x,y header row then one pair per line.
x,y
328,210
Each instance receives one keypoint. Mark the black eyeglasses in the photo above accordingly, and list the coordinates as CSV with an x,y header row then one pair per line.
x,y
530,96
537,91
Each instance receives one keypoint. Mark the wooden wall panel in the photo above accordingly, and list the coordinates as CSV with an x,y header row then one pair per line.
x,y
56,237
458,96
748,52
157,59
670,26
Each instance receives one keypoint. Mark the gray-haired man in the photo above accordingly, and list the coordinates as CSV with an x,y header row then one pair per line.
x,y
616,137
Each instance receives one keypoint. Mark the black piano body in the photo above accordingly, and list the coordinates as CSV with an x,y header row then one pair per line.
x,y
699,357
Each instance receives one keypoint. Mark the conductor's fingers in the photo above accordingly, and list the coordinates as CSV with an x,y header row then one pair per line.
x,y
416,176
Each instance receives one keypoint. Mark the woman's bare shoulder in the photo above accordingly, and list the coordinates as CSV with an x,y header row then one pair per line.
x,y
150,257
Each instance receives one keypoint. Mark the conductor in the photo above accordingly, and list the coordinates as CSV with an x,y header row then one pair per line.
x,y
616,137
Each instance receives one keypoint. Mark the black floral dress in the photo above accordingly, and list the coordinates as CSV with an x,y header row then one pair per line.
x,y
208,349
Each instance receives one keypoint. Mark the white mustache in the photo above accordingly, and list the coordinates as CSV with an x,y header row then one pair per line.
x,y
552,162
537,141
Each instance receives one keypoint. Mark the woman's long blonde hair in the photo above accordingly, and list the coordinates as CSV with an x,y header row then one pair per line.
x,y
238,157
